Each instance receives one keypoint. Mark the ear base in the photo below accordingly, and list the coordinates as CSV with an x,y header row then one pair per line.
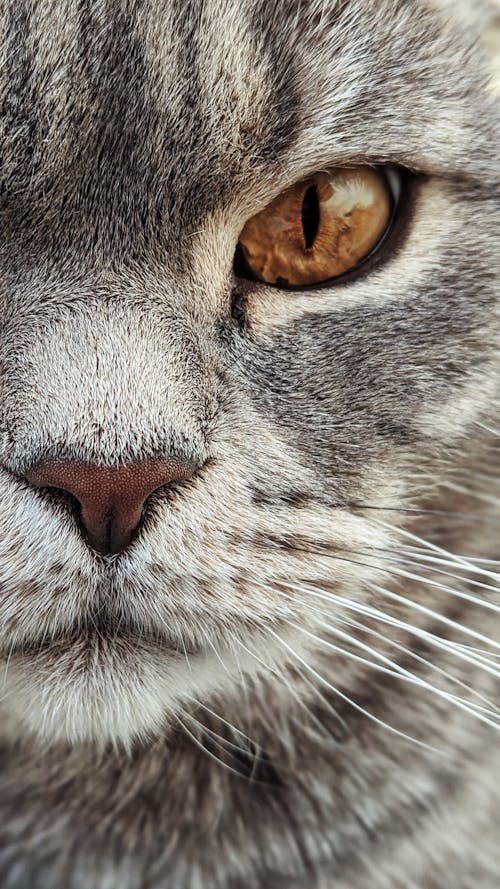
x,y
478,14
492,44
482,20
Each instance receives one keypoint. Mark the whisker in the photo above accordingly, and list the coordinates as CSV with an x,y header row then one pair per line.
x,y
436,616
473,559
491,429
416,510
449,645
414,554
399,572
243,681
443,552
407,651
351,702
225,722
220,741
483,496
364,608
410,653
7,662
409,575
397,671
216,653
482,653
428,564
297,697
209,753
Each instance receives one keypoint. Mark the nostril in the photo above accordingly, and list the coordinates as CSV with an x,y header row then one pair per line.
x,y
111,498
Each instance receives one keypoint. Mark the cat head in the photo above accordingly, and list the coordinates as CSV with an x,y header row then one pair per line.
x,y
280,430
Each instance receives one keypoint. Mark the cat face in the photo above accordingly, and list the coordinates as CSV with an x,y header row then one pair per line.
x,y
135,148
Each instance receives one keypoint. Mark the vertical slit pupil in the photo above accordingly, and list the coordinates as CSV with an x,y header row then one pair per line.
x,y
310,215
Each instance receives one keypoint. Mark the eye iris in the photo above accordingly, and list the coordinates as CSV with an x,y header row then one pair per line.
x,y
319,229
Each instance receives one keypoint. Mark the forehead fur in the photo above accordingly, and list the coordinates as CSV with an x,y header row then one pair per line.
x,y
125,125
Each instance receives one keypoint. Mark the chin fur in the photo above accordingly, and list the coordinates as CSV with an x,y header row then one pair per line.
x,y
112,691
91,690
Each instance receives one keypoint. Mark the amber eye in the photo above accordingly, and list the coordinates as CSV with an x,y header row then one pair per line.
x,y
319,228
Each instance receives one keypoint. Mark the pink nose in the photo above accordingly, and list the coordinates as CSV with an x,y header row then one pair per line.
x,y
111,497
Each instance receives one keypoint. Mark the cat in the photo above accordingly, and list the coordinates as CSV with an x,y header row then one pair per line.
x,y
249,602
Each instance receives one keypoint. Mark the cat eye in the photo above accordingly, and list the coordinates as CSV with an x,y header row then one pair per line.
x,y
320,228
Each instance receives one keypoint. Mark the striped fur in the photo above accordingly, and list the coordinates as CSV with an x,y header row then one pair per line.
x,y
257,693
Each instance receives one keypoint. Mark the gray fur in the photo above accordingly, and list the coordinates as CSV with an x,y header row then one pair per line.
x,y
196,713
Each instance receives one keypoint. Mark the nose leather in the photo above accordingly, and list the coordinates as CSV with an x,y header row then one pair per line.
x,y
111,498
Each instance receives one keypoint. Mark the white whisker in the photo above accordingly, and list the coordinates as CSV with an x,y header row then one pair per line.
x,y
225,722
219,740
397,671
351,702
459,560
209,753
370,630
422,559
410,653
297,697
362,607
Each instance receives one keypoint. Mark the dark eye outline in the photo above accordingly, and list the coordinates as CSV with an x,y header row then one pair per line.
x,y
400,182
